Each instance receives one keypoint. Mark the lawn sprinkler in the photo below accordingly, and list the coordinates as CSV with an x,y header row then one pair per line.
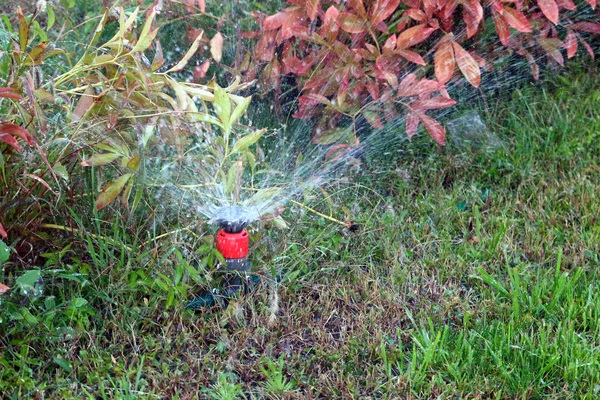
x,y
232,242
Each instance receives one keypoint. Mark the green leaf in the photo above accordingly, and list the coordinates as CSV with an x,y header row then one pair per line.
x,y
100,159
334,135
111,191
264,194
146,37
279,223
4,252
38,29
79,302
192,50
99,30
28,316
7,23
64,364
50,303
28,280
51,17
239,110
243,143
23,30
206,118
61,171
222,106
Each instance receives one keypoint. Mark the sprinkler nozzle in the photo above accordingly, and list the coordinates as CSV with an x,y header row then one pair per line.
x,y
232,245
232,219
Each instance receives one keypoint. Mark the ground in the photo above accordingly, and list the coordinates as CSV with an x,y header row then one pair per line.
x,y
472,274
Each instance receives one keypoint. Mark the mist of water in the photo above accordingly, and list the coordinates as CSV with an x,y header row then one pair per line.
x,y
193,183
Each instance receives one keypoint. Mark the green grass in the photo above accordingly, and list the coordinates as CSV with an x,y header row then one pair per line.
x,y
473,275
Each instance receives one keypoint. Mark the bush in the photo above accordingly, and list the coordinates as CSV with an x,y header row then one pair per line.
x,y
383,59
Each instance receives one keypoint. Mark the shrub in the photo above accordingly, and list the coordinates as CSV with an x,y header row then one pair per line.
x,y
383,59
115,106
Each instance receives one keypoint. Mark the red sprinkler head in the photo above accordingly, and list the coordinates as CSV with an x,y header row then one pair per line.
x,y
232,245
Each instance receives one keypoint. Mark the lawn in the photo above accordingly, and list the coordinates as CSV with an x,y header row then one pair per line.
x,y
467,274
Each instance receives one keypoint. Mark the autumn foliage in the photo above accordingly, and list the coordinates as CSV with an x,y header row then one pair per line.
x,y
384,59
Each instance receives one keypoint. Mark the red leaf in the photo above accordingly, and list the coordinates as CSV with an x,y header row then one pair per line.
x,y
412,123
16,130
189,5
571,43
352,23
3,287
413,36
3,232
274,21
337,151
373,89
319,80
296,66
312,8
264,49
313,99
567,4
331,15
410,87
201,70
444,62
550,10
359,7
415,14
11,141
474,7
382,9
411,56
472,23
592,3
587,47
433,104
497,6
516,19
552,47
40,180
502,28
390,45
429,6
467,65
6,93
202,6
590,27
406,84
434,128
85,103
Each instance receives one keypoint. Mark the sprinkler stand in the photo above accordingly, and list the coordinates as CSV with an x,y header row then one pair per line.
x,y
234,249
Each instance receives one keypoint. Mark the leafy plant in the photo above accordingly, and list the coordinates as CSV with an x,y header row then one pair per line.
x,y
224,389
371,60
22,117
125,104
276,383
